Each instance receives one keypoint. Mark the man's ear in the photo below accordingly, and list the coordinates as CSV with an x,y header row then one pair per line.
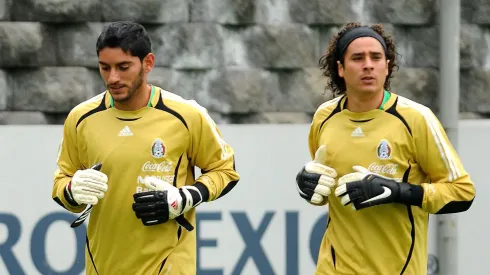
x,y
148,62
340,69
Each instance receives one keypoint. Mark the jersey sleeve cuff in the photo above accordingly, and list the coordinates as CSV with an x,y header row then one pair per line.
x,y
412,194
68,196
203,190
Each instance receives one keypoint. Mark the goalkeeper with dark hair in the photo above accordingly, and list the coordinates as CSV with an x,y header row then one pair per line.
x,y
381,161
149,142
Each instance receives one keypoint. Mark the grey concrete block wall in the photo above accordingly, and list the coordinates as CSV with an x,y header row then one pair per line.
x,y
246,61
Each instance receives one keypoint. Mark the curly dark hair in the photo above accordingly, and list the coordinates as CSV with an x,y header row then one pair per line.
x,y
328,62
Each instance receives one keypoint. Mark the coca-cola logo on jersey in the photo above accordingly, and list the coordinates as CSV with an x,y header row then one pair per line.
x,y
165,166
388,169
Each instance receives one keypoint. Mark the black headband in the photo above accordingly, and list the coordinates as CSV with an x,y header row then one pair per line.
x,y
352,34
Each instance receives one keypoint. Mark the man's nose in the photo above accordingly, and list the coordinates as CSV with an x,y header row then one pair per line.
x,y
113,77
368,64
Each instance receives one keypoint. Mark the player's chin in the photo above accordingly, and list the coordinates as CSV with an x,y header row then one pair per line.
x,y
369,88
119,95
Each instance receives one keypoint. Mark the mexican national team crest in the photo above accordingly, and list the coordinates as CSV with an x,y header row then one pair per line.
x,y
158,149
384,149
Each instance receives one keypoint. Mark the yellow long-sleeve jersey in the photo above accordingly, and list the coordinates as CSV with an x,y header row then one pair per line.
x,y
405,141
168,139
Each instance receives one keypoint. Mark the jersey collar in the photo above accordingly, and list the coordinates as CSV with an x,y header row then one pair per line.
x,y
150,101
386,97
385,104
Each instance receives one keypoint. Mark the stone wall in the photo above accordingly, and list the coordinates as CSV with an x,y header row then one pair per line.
x,y
247,61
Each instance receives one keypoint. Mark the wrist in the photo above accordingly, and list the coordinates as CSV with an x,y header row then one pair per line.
x,y
411,194
68,195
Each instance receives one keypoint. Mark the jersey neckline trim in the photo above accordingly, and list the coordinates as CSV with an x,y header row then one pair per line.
x,y
111,104
387,102
386,97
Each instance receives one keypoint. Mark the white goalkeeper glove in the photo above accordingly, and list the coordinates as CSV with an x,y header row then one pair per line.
x,y
165,202
87,186
316,180
180,200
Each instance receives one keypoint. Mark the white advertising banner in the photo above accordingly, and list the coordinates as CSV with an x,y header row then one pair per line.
x,y
261,227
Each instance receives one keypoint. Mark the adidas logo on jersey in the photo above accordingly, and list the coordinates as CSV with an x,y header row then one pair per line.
x,y
357,132
125,132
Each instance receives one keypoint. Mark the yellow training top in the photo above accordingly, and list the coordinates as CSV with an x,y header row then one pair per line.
x,y
402,140
168,139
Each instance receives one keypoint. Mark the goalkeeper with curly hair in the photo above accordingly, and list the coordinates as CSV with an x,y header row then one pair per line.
x,y
381,161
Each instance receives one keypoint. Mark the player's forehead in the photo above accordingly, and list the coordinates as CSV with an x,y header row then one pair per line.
x,y
115,56
364,45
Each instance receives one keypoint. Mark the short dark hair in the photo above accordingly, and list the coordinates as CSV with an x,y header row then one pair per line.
x,y
328,62
131,37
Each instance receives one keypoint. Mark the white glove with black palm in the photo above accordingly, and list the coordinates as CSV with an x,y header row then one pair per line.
x,y
87,186
316,180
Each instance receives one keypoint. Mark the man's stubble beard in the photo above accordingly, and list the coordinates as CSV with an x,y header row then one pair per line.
x,y
135,85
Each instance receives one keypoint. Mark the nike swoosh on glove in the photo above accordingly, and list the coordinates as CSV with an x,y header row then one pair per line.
x,y
165,202
87,186
316,180
365,189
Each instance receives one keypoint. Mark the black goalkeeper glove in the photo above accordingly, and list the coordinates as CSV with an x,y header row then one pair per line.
x,y
365,189
165,202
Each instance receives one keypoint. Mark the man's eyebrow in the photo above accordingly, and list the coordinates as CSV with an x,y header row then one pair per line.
x,y
120,63
362,53
357,54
